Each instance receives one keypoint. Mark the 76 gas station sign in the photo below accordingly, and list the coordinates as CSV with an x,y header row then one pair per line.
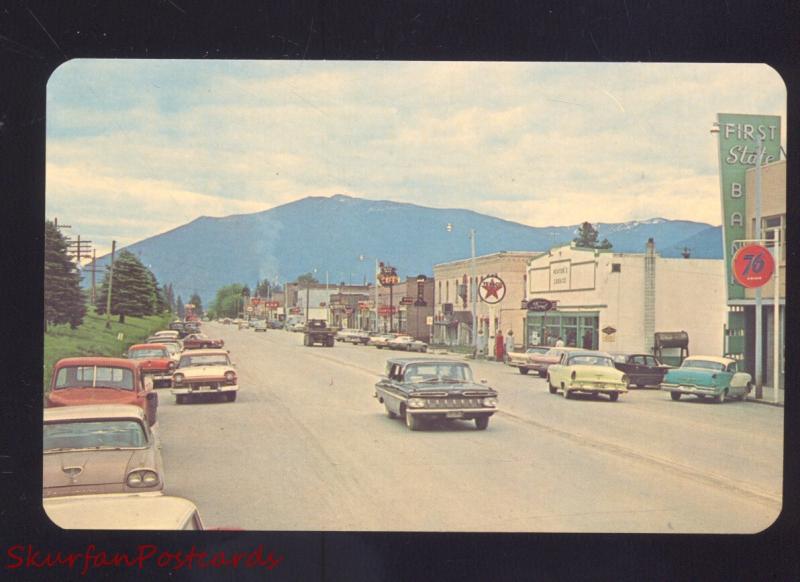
x,y
753,265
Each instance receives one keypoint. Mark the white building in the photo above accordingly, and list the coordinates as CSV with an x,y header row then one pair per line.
x,y
618,301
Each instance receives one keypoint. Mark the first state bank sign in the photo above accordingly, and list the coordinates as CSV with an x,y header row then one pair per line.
x,y
737,153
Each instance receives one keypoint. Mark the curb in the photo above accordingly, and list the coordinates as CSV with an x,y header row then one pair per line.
x,y
767,402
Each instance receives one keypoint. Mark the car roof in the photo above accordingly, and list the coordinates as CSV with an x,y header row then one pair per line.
x,y
207,352
119,511
407,361
90,411
146,346
579,352
98,361
717,359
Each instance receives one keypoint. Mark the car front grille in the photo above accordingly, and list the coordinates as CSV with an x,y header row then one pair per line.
x,y
454,402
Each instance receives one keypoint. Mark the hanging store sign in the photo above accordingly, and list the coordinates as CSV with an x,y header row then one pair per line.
x,y
738,153
539,304
753,266
387,276
492,289
407,301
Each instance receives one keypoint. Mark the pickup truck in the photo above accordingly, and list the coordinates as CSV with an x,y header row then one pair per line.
x,y
317,331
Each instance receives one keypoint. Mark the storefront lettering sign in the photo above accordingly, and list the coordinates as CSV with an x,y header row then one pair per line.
x,y
539,305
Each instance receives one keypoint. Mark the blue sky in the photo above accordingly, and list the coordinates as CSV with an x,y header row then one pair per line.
x,y
135,148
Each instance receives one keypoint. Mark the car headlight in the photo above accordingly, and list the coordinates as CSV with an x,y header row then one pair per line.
x,y
178,378
230,376
490,402
142,478
416,403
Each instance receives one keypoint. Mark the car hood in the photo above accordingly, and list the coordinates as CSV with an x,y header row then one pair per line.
x,y
602,373
91,467
204,371
75,396
696,376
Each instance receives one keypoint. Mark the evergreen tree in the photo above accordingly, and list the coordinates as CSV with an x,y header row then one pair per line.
x,y
307,279
133,291
170,297
587,238
180,309
64,301
263,288
197,302
246,291
160,302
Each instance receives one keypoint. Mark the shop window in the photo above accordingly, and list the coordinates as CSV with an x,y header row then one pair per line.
x,y
616,267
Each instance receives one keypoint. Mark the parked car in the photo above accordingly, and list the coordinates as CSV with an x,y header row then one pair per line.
x,y
174,346
537,358
417,389
260,325
128,511
407,343
156,362
297,326
708,377
197,341
380,341
275,324
641,369
167,333
100,380
586,371
99,449
205,371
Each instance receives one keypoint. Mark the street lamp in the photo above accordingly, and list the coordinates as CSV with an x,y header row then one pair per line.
x,y
362,258
473,286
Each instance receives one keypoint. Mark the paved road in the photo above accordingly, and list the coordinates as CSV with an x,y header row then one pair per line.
x,y
307,447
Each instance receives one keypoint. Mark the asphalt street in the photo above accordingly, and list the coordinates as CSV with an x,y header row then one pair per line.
x,y
307,447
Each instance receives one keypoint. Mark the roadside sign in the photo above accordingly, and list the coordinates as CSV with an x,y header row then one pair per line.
x,y
492,289
407,301
753,266
429,320
249,309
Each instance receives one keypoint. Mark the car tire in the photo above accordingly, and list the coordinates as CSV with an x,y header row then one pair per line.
x,y
481,422
523,371
230,396
675,395
412,422
567,393
389,413
552,388
720,398
542,374
613,396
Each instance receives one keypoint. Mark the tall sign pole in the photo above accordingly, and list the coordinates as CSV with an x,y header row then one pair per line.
x,y
473,291
110,282
757,235
776,320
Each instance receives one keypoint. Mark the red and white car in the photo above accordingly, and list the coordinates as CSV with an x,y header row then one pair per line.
x,y
156,362
202,372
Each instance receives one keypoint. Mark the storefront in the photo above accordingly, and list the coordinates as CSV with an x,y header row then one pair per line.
x,y
617,302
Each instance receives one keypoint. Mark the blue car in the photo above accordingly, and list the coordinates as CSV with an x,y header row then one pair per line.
x,y
708,377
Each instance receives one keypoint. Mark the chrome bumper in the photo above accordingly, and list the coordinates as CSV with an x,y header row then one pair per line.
x,y
693,389
188,390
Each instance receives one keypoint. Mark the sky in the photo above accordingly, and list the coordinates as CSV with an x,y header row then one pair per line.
x,y
136,147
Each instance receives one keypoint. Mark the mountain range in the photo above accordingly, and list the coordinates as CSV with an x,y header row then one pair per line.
x,y
327,235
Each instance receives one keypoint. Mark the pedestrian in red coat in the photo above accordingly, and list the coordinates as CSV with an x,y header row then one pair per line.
x,y
499,346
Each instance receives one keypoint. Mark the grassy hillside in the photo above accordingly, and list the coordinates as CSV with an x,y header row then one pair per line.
x,y
93,339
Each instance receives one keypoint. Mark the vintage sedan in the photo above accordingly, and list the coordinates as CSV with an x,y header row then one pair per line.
x,y
260,325
100,380
381,340
536,358
407,343
421,389
586,371
103,448
641,369
203,372
156,362
198,341
127,511
170,333
708,377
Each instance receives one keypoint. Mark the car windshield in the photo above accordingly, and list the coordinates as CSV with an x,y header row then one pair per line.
x,y
589,360
705,364
438,372
94,376
537,350
171,348
94,434
148,353
204,360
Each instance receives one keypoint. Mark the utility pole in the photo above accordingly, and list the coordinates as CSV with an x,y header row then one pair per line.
x,y
474,292
757,236
110,282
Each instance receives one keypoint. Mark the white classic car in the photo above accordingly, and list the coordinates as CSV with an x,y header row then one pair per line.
x,y
208,371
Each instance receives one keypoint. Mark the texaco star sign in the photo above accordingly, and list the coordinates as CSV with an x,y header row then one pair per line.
x,y
492,289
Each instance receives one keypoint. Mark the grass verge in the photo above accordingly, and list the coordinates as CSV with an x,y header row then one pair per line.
x,y
93,339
